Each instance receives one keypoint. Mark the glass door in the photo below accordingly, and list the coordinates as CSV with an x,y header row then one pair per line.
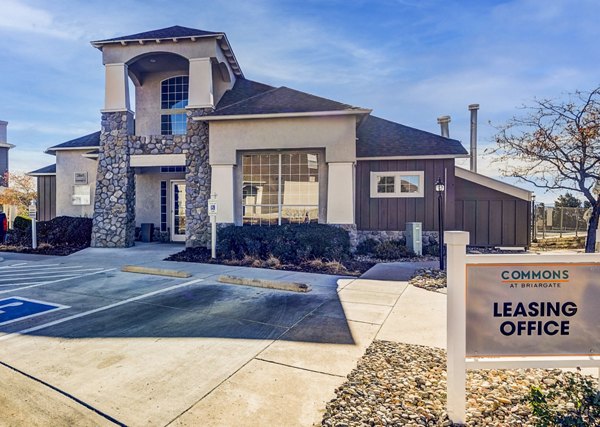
x,y
178,211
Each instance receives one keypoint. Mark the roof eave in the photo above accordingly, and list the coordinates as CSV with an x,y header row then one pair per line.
x,y
492,183
283,115
52,150
7,145
415,157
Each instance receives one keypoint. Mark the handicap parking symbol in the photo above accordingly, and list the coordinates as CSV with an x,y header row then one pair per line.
x,y
14,309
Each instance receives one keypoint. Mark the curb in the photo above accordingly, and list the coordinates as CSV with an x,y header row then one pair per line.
x,y
263,283
155,271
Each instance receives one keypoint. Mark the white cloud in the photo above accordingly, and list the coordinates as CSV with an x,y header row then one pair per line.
x,y
18,16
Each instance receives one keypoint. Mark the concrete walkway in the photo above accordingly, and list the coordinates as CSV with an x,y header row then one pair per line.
x,y
402,271
160,351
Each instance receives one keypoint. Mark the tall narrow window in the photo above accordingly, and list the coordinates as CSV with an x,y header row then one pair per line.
x,y
280,188
173,100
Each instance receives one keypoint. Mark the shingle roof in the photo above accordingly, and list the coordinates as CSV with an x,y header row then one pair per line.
x,y
175,31
91,140
46,170
281,100
382,138
242,89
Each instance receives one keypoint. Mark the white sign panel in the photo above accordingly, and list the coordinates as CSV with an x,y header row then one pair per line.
x,y
533,309
81,178
212,207
81,195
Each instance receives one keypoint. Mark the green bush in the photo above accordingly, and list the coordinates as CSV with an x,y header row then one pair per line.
x,y
366,247
21,223
573,402
290,243
391,249
59,231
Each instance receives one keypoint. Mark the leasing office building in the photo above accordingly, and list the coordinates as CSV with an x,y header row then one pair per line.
x,y
272,155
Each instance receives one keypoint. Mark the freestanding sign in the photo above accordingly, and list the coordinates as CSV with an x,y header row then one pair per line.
x,y
32,210
534,309
518,311
212,213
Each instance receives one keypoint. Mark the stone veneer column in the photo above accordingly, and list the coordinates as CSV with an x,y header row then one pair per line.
x,y
197,180
114,203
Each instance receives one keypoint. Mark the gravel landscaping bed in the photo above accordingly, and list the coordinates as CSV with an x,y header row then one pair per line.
x,y
431,279
405,385
42,249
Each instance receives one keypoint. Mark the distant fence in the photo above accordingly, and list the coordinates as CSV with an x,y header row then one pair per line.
x,y
552,222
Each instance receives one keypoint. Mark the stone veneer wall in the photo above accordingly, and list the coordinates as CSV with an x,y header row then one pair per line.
x,y
114,202
197,180
160,144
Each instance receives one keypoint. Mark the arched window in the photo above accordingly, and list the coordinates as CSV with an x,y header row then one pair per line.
x,y
173,100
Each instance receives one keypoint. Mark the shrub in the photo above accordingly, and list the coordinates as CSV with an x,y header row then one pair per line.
x,y
367,247
433,250
574,401
290,243
21,223
391,249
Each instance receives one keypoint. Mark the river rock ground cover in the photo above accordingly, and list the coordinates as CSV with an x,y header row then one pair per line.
x,y
405,385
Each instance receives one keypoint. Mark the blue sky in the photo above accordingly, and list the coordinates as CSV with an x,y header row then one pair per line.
x,y
409,60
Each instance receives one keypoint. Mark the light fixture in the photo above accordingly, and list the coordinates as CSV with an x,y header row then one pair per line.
x,y
439,186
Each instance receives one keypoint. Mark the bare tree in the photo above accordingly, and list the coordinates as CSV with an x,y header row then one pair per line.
x,y
555,145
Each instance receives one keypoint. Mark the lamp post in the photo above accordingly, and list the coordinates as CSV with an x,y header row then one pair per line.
x,y
440,188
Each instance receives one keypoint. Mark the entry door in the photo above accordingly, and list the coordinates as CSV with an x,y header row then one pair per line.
x,y
178,211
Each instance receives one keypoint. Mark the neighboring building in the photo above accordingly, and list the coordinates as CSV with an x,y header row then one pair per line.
x,y
10,211
273,155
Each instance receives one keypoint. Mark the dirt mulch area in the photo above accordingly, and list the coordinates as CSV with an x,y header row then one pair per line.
x,y
344,268
42,249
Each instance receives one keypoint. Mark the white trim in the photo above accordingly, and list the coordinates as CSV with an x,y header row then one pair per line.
x,y
41,174
145,160
282,115
432,156
97,147
116,110
90,155
492,183
7,145
397,194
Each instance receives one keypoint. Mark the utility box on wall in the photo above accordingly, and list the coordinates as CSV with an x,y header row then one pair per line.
x,y
414,237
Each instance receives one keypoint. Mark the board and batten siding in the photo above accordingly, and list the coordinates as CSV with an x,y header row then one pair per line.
x,y
491,217
46,199
392,214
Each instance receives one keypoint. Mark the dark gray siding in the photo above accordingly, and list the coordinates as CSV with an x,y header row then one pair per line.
x,y
393,213
492,218
3,163
46,199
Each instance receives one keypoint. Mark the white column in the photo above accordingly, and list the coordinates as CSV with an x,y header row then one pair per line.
x,y
340,193
201,84
222,183
116,88
456,248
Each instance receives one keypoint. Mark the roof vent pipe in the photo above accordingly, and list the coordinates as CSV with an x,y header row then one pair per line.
x,y
473,109
443,122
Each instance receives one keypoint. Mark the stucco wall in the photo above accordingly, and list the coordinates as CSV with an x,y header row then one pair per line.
x,y
67,163
147,195
117,53
337,134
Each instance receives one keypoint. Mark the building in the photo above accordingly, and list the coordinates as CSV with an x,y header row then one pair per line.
x,y
9,210
272,155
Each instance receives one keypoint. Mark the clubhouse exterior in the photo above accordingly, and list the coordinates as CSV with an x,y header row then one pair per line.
x,y
272,155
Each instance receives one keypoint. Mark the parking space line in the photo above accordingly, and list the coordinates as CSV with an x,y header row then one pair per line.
x,y
36,284
98,310
27,265
53,273
18,319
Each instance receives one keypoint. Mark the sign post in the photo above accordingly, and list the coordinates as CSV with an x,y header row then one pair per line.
x,y
33,215
212,213
518,311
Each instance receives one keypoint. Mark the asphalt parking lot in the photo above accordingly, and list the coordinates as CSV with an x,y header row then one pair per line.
x,y
144,349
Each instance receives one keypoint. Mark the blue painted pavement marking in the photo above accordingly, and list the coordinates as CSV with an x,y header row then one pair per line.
x,y
14,309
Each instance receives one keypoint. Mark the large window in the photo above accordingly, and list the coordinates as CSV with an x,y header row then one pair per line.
x,y
280,188
173,100
397,184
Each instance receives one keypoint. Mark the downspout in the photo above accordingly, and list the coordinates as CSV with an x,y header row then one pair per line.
x,y
473,109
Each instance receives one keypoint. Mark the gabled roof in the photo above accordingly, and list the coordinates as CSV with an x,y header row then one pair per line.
x,y
241,90
378,137
280,101
174,32
492,183
46,170
88,141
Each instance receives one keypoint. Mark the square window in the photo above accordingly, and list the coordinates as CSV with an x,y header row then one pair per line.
x,y
386,184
